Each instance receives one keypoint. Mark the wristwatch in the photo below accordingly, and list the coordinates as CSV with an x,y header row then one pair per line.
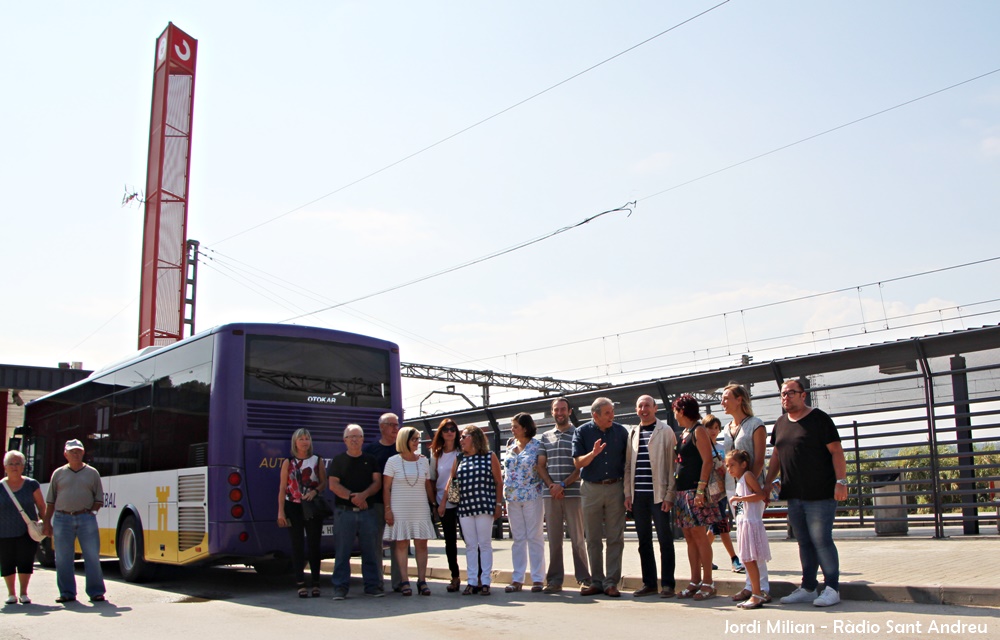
x,y
842,481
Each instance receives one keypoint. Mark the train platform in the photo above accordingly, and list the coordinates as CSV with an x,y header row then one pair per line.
x,y
916,568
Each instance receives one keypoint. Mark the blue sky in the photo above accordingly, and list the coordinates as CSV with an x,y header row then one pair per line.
x,y
295,102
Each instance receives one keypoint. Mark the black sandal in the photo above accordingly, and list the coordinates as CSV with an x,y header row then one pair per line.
x,y
315,592
469,590
422,588
303,593
404,588
485,590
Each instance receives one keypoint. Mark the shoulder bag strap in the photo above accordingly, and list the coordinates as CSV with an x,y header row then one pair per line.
x,y
14,500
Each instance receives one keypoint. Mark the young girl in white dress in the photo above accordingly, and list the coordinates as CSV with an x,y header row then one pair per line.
x,y
748,505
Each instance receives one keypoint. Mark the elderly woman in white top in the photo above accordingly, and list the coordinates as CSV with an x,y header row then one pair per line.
x,y
747,433
408,494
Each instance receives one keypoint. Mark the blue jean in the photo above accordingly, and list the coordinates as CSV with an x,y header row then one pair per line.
x,y
363,526
66,529
812,525
648,514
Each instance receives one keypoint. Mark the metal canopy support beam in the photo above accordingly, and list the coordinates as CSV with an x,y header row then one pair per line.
x,y
928,381
485,379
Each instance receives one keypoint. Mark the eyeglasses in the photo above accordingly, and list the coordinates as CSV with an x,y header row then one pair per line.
x,y
465,435
449,429
789,393
14,464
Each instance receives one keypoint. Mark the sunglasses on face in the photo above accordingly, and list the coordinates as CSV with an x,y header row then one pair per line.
x,y
449,429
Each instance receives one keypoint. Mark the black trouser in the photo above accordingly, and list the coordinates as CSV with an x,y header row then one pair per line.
x,y
449,527
648,514
17,555
312,529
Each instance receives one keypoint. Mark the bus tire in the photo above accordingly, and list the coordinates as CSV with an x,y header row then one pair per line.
x,y
272,567
132,552
45,555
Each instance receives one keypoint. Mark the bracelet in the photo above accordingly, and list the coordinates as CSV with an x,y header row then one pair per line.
x,y
700,492
702,483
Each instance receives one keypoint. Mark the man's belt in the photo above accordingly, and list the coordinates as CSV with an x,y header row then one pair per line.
x,y
607,481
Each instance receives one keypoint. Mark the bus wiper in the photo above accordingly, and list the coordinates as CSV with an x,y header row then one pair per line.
x,y
349,387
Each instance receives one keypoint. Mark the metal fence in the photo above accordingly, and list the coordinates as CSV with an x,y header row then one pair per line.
x,y
918,419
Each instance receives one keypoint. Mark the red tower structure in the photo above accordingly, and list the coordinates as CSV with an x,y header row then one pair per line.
x,y
164,252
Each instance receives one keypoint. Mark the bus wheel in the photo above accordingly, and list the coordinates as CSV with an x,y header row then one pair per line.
x,y
272,567
131,552
45,555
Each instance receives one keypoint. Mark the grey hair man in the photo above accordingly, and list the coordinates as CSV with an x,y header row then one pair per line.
x,y
383,449
562,502
75,495
599,454
354,479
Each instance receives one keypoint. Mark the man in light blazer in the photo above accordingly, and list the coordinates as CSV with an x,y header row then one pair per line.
x,y
649,494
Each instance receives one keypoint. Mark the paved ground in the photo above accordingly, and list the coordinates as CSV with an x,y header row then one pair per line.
x,y
231,602
915,568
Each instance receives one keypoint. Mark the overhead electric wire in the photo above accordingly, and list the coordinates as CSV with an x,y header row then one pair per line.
x,y
489,256
633,203
816,135
741,310
474,125
218,257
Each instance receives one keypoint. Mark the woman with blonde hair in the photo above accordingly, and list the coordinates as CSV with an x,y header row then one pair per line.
x,y
480,485
17,549
745,432
408,494
303,477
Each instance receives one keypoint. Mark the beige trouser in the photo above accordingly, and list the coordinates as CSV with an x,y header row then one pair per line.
x,y
570,511
604,517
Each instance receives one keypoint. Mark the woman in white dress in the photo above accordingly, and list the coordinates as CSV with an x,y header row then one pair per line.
x,y
408,495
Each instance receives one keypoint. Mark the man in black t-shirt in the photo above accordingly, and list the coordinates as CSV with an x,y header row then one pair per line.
x,y
355,478
808,453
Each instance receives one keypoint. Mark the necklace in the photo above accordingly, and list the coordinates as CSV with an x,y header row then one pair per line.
x,y
406,476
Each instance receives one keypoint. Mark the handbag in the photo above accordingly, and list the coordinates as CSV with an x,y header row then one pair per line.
x,y
454,487
34,527
717,481
318,507
454,491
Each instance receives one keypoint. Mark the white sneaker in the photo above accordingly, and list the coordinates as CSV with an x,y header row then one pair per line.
x,y
800,596
828,598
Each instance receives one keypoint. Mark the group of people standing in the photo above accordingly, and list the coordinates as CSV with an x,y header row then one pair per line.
x,y
662,477
582,480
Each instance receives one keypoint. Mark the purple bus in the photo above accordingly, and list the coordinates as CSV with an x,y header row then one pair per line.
x,y
189,438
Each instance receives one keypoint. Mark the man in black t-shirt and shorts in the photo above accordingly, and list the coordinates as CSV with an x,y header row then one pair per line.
x,y
808,453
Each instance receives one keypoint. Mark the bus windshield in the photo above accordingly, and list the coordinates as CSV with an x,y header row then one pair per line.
x,y
287,369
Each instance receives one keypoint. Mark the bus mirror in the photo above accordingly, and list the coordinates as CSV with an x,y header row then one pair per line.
x,y
14,444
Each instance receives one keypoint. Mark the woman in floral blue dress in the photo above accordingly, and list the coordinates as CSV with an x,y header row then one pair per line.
x,y
522,489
